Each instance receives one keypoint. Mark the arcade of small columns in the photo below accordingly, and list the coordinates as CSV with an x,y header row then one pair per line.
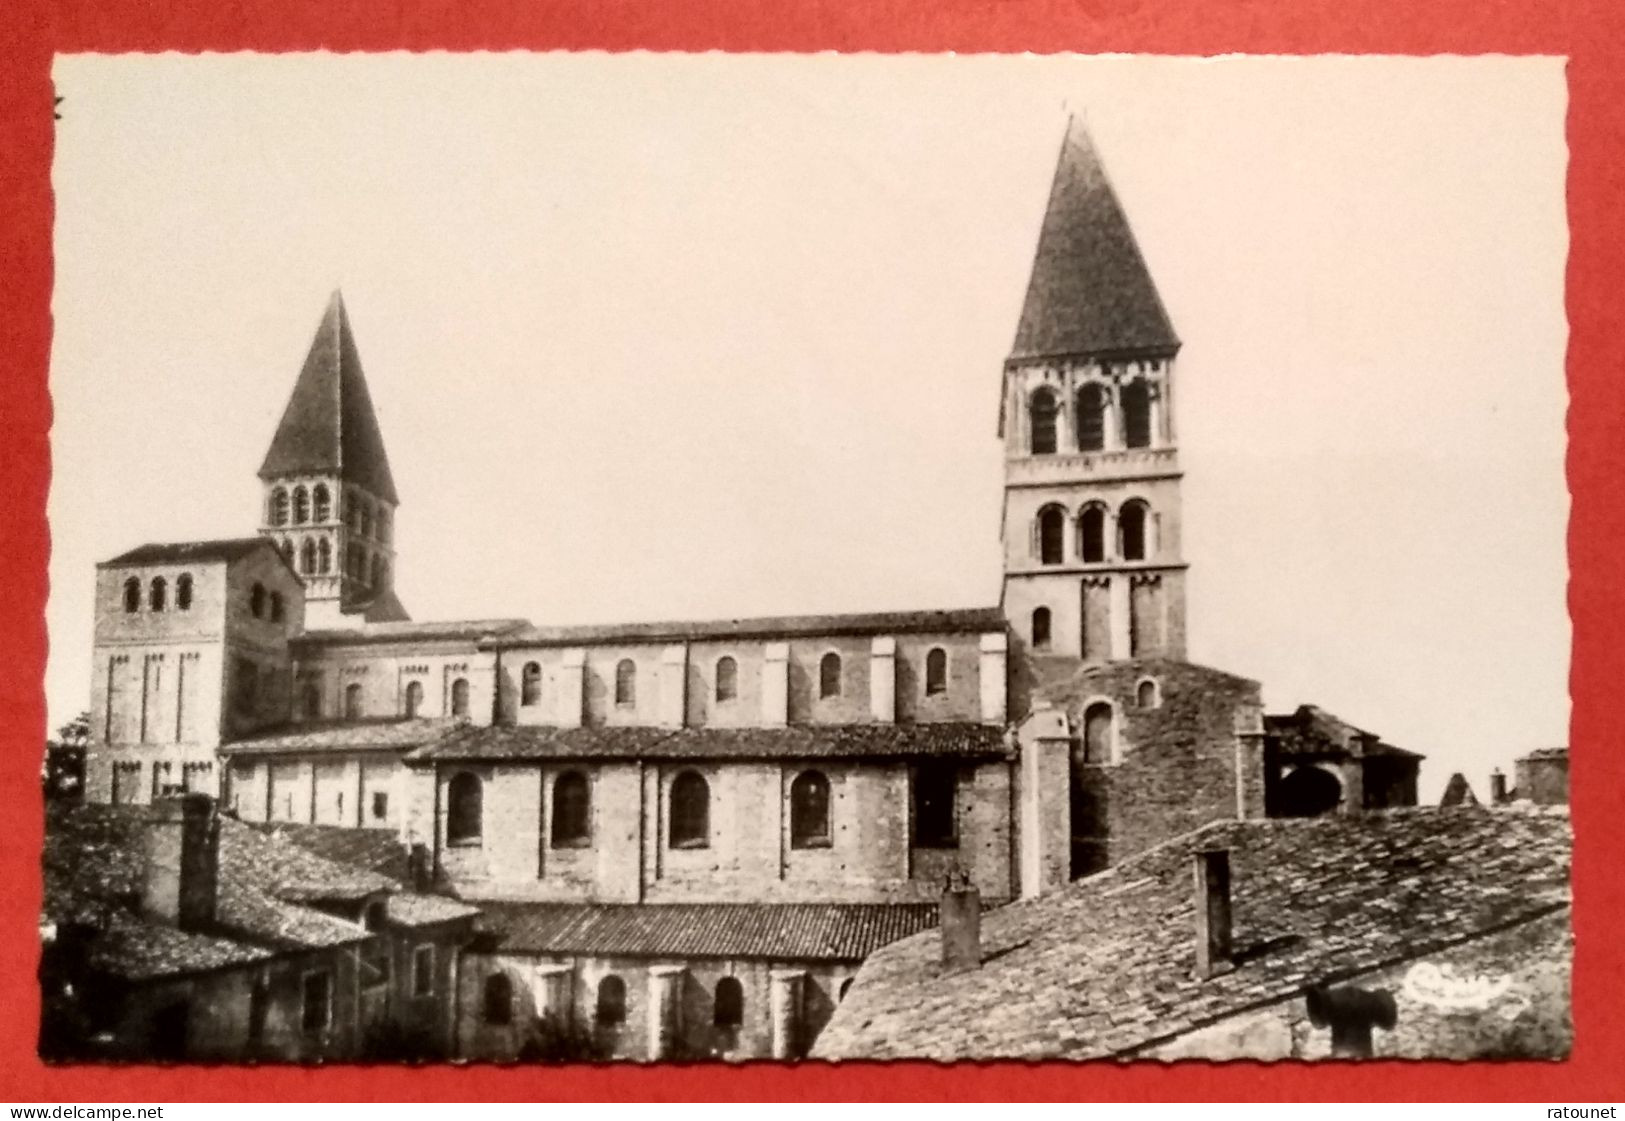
x,y
1067,385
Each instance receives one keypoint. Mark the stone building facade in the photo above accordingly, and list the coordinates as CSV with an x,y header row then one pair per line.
x,y
844,763
173,933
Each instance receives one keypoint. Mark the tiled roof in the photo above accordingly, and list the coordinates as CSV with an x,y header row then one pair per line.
x,y
129,947
373,850
962,620
410,909
93,880
1311,730
778,931
1544,753
384,607
190,552
1103,967
1065,681
446,630
1090,291
802,741
372,860
329,426
355,735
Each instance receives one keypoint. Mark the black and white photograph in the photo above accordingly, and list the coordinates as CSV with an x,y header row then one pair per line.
x,y
587,557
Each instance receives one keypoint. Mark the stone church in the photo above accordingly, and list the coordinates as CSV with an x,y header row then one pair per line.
x,y
688,835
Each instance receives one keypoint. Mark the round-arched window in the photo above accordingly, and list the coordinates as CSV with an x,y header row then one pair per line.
x,y
465,811
809,811
1042,411
1131,530
690,811
1041,626
728,1006
572,818
497,999
1146,694
1051,535
727,679
1097,733
829,675
1092,534
611,1003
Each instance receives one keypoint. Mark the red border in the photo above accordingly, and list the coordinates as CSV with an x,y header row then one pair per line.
x,y
1589,33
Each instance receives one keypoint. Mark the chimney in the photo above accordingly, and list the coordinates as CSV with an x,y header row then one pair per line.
x,y
182,863
960,920
1498,787
420,869
1351,1013
1213,945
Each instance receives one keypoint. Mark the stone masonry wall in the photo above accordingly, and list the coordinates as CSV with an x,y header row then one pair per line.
x,y
698,1035
749,857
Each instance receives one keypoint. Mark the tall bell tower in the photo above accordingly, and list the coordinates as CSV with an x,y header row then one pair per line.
x,y
1092,562
329,498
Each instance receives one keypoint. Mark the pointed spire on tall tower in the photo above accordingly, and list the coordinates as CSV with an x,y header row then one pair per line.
x,y
329,426
1092,564
329,496
1090,291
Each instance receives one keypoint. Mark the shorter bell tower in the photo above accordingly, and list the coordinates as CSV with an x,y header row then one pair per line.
x,y
1092,561
329,500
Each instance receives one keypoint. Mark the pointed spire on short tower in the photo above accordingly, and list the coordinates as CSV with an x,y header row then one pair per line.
x,y
329,426
1090,292
329,496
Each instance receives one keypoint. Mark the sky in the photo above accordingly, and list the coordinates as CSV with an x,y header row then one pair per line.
x,y
694,336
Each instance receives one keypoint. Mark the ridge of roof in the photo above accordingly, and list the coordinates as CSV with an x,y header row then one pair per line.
x,y
397,630
183,552
1090,292
345,736
269,875
329,425
846,932
765,626
956,739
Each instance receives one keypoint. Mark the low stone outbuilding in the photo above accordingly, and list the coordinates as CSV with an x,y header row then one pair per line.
x,y
172,933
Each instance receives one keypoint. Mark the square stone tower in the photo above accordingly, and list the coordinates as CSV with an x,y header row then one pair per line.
x,y
1092,561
